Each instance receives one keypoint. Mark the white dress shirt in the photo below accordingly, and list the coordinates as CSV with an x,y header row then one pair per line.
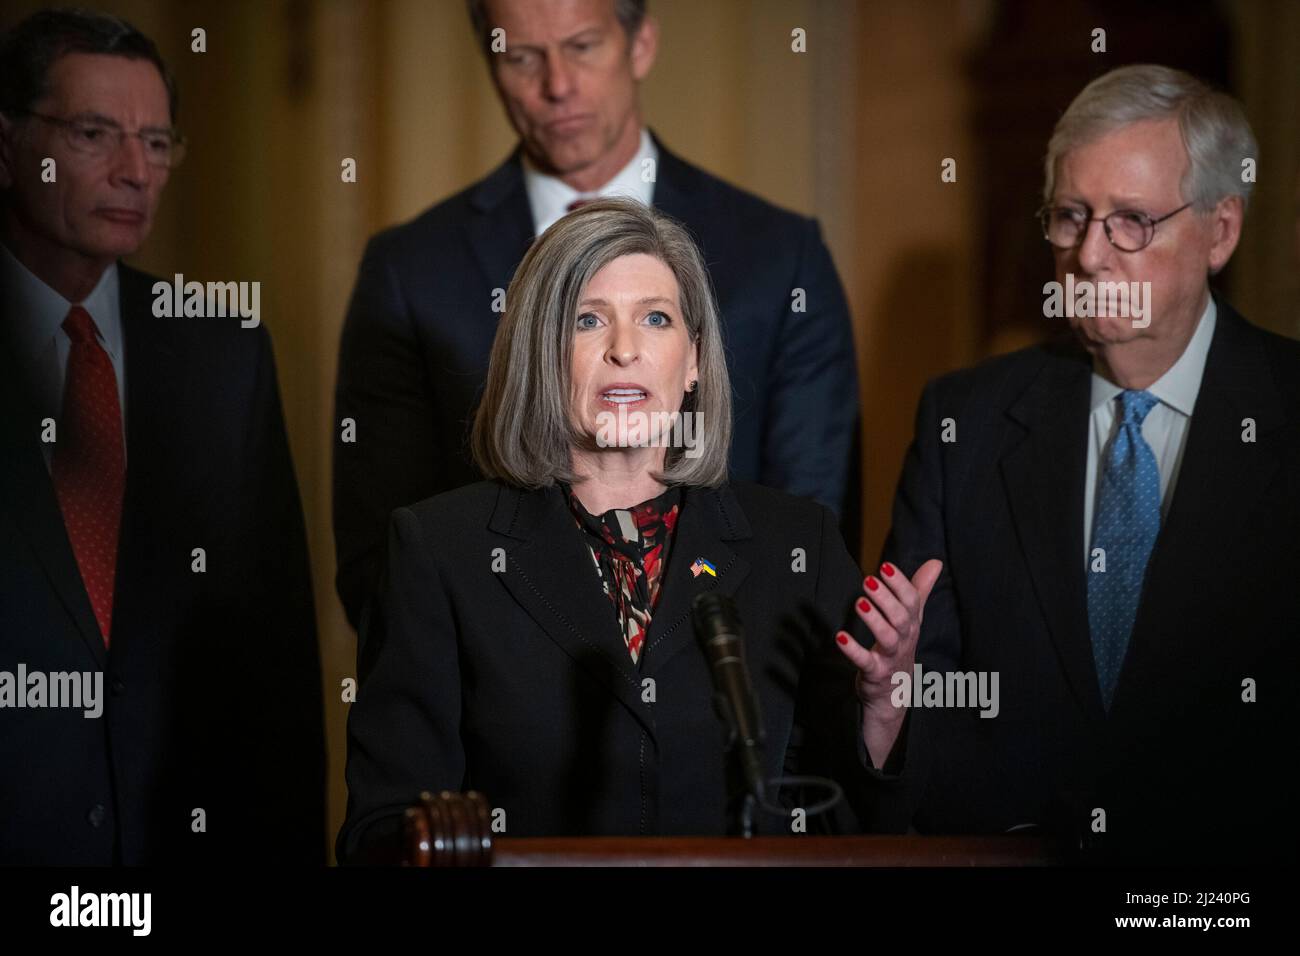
x,y
1165,427
38,312
549,196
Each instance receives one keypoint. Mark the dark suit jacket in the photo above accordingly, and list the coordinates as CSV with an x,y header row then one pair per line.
x,y
212,684
415,345
1182,766
517,683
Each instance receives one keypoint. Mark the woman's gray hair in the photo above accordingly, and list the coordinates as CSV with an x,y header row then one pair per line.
x,y
524,430
1214,128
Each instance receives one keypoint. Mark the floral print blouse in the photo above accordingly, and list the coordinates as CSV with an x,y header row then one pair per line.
x,y
629,547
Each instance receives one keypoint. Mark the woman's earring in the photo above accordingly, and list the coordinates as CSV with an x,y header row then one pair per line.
x,y
691,387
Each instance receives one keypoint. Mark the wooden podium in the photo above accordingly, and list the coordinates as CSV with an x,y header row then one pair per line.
x,y
454,830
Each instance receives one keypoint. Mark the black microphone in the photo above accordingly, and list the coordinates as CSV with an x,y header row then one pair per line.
x,y
717,628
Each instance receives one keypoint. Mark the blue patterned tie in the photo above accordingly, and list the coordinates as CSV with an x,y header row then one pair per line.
x,y
1125,526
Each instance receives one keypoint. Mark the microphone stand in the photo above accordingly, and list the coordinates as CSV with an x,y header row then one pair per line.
x,y
742,801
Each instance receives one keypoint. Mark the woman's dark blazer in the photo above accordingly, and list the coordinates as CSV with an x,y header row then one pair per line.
x,y
493,661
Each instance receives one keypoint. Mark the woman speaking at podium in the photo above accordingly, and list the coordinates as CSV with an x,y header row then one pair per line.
x,y
533,639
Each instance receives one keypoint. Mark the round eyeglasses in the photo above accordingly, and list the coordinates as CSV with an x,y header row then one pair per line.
x,y
1128,230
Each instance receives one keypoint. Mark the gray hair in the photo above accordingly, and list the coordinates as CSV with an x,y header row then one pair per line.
x,y
1213,125
524,431
630,13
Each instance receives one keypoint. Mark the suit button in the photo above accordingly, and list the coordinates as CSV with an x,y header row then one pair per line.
x,y
96,815
119,688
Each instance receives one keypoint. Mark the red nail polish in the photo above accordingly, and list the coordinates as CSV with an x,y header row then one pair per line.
x,y
888,569
842,637
865,605
872,584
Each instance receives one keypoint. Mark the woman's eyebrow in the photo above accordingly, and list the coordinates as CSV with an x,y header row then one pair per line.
x,y
648,300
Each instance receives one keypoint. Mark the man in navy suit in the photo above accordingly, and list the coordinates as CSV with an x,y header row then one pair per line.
x,y
160,691
1118,516
424,312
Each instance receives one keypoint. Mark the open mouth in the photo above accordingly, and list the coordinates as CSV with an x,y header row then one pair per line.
x,y
624,396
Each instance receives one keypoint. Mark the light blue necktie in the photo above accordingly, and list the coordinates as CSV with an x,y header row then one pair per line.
x,y
1125,526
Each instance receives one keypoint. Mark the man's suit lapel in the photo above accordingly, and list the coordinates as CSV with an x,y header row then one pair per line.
x,y
551,574
1221,479
27,492
680,193
676,186
501,229
154,387
1044,478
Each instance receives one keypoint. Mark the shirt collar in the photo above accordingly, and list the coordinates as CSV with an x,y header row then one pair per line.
x,y
1179,386
549,196
41,310
619,525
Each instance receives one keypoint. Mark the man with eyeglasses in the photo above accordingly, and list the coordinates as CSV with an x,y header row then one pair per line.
x,y
152,549
1118,516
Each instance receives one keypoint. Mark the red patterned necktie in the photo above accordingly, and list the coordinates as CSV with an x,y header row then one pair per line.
x,y
89,467
579,203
